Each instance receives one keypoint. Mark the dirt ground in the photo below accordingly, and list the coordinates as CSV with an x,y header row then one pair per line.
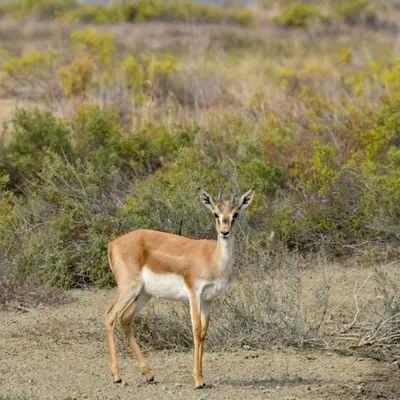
x,y
61,353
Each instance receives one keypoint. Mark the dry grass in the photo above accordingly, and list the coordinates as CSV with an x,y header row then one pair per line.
x,y
275,308
319,305
214,62
27,296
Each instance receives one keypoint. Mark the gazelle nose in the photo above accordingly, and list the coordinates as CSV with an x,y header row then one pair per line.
x,y
225,233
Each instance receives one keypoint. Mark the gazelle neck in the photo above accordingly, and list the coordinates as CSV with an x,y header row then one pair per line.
x,y
226,253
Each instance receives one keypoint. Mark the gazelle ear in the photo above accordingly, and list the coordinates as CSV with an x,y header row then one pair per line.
x,y
246,199
206,199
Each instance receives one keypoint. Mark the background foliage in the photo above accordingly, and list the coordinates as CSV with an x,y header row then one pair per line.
x,y
125,130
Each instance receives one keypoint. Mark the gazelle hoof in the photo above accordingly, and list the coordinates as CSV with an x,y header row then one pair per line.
x,y
118,382
151,381
203,386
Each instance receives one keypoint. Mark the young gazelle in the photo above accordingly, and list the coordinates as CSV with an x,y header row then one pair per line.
x,y
149,264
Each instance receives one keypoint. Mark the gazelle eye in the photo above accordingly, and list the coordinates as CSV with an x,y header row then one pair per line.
x,y
216,215
235,215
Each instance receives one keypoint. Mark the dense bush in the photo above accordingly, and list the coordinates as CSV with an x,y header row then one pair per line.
x,y
77,176
350,11
79,195
35,134
313,125
329,13
301,15
132,11
35,9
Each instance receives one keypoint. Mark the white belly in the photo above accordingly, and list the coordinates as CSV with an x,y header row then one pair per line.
x,y
171,286
165,286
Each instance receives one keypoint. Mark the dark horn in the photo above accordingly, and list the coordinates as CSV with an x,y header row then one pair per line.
x,y
220,196
232,196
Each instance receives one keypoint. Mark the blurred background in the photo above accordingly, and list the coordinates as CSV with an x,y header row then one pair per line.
x,y
113,114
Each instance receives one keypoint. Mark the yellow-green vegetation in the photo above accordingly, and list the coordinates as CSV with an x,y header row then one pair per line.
x,y
350,11
76,78
301,15
287,13
297,14
131,11
35,9
309,121
32,64
99,46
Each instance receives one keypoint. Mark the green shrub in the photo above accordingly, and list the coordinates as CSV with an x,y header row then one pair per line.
x,y
325,171
92,13
78,176
8,218
97,138
155,10
99,46
161,201
256,171
36,9
147,76
35,134
156,145
300,15
77,78
32,64
350,11
71,219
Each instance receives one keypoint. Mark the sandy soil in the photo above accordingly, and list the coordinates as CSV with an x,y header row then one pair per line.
x,y
60,353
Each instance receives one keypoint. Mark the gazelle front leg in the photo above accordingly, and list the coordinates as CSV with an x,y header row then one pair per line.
x,y
205,309
196,325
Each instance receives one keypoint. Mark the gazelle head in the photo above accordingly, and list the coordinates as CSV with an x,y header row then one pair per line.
x,y
226,212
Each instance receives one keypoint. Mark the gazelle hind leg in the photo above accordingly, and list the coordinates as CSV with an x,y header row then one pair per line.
x,y
125,318
123,298
110,325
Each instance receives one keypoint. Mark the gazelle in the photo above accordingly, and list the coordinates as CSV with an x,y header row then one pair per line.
x,y
149,263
